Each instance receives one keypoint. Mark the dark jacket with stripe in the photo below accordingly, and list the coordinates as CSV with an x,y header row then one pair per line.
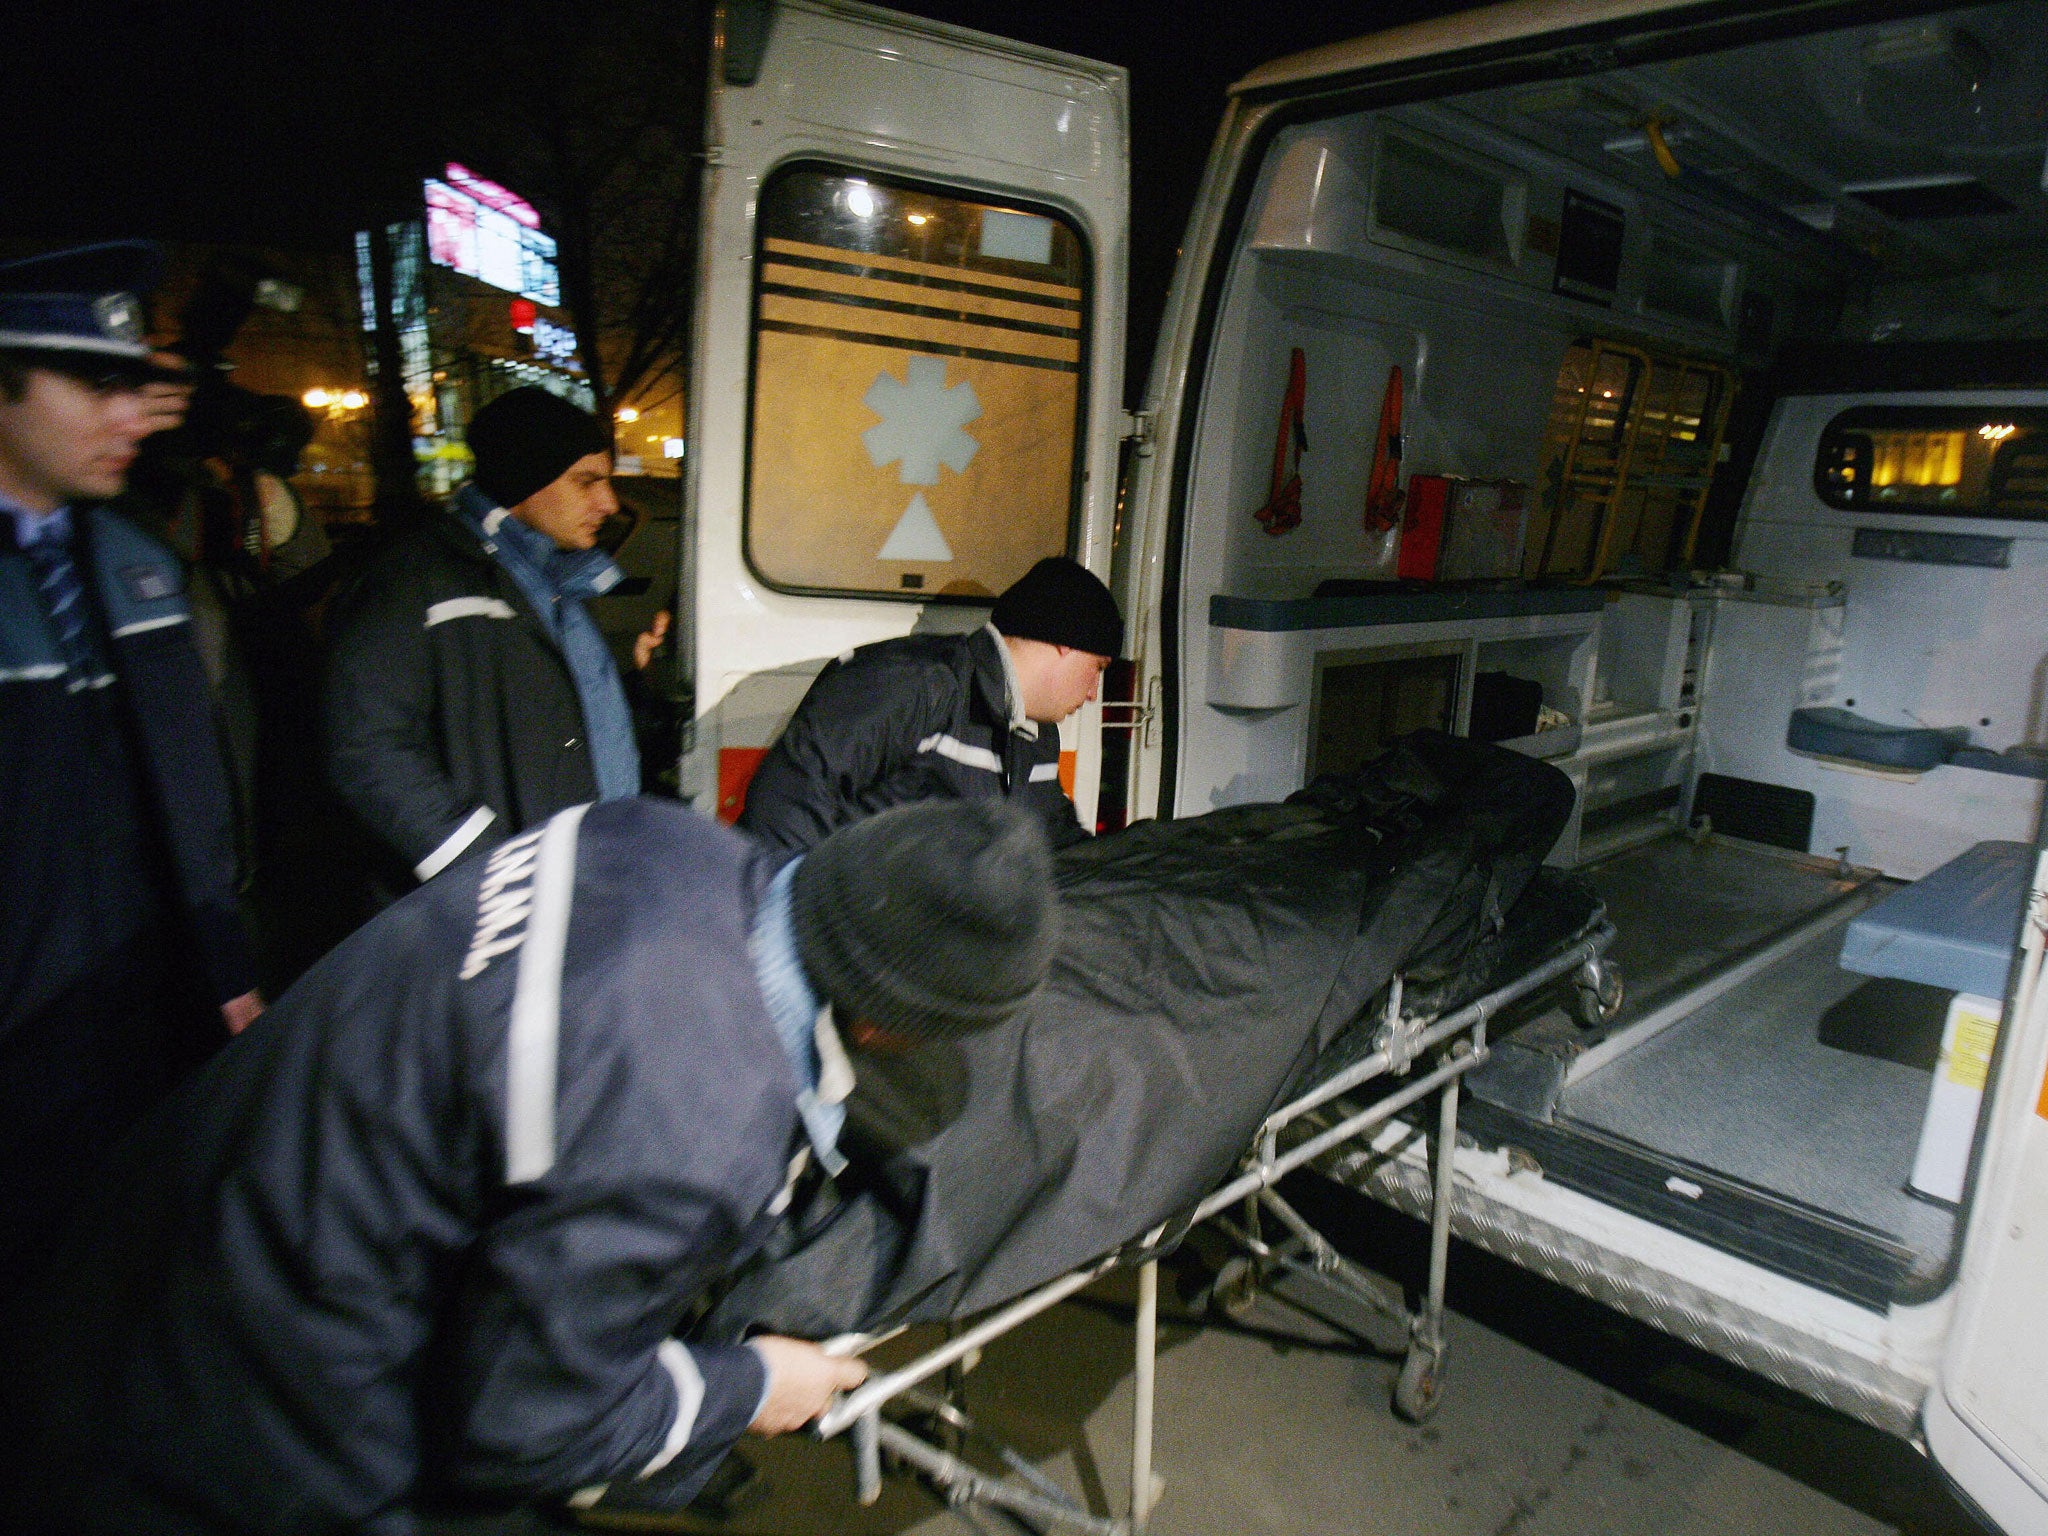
x,y
55,928
916,718
452,719
430,1224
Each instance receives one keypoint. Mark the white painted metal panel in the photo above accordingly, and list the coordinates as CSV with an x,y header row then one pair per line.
x,y
873,90
1987,1419
1921,645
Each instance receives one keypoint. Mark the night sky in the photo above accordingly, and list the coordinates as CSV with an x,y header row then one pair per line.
x,y
290,124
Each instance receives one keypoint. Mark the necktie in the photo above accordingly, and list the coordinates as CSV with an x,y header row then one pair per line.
x,y
63,590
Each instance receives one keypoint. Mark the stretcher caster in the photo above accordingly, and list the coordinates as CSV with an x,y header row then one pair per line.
x,y
1597,993
1418,1393
1235,1289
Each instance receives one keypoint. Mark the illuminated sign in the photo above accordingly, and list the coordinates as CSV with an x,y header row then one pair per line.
x,y
555,344
479,229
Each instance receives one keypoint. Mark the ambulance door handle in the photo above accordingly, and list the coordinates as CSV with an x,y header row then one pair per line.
x,y
1131,715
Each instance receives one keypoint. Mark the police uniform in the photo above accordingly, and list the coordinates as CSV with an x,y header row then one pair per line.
x,y
119,929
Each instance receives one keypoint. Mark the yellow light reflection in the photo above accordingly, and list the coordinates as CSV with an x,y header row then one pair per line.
x,y
1917,459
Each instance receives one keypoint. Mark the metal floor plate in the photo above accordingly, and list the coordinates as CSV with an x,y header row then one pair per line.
x,y
1722,897
1745,1085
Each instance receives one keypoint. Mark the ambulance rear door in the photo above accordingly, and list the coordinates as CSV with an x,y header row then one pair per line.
x,y
1986,1420
907,374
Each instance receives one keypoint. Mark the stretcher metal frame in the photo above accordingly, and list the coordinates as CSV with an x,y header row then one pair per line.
x,y
1308,1128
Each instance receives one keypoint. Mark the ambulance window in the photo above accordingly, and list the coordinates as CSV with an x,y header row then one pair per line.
x,y
1945,461
917,388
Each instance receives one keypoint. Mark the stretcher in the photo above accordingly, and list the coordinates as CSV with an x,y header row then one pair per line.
x,y
1415,1053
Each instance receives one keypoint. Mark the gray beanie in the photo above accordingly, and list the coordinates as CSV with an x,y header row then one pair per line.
x,y
933,919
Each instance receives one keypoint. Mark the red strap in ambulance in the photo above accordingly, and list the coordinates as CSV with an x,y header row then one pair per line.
x,y
1383,488
1282,510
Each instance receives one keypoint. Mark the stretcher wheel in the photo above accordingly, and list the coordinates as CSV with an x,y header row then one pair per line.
x,y
1419,1391
1236,1288
1597,992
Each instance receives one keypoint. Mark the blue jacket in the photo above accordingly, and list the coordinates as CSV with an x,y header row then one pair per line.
x,y
182,806
430,1224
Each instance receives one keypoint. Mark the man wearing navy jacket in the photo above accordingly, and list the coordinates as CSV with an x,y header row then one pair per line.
x,y
425,1233
117,901
922,717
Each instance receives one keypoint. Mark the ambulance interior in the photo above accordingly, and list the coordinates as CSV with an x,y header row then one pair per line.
x,y
1753,312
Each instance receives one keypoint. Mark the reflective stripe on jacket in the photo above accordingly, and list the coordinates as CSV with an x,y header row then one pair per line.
x,y
430,1224
917,718
452,720
161,691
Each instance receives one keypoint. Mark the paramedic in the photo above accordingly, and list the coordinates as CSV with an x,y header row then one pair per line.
x,y
470,695
122,953
963,716
421,1239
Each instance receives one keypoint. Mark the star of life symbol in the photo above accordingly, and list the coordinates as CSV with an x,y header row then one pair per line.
x,y
921,422
921,428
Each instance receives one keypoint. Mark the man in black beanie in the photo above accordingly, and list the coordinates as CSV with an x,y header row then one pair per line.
x,y
972,716
421,1238
470,694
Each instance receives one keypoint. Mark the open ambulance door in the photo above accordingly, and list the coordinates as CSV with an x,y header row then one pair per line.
x,y
1986,1420
906,383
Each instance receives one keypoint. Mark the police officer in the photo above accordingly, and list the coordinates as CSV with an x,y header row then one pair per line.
x,y
122,956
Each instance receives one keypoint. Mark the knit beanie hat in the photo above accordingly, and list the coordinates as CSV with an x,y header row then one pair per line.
x,y
1061,602
930,919
526,439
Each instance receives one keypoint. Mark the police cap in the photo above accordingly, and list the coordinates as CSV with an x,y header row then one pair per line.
x,y
82,306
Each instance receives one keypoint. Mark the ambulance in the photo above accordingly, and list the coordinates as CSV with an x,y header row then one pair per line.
x,y
1660,389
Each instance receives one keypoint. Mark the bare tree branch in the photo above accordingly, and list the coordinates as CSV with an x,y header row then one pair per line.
x,y
595,115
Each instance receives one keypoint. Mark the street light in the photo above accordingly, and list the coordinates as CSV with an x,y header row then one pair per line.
x,y
334,401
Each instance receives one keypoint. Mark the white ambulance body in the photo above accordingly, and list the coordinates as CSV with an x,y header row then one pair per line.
x,y
1571,276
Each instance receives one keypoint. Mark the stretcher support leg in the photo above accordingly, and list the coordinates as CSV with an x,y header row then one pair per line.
x,y
1143,1393
965,1484
1327,1267
867,1457
1440,1211
1420,1387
